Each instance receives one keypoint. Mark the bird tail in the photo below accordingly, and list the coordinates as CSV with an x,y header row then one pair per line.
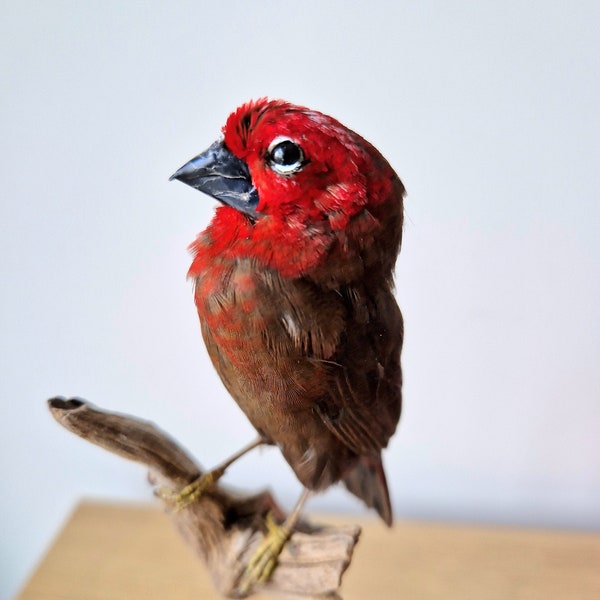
x,y
367,481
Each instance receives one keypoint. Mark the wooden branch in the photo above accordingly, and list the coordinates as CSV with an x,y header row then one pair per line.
x,y
223,527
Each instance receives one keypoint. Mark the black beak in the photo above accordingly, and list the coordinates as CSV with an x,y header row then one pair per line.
x,y
222,175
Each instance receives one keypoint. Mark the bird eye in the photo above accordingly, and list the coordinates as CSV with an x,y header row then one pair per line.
x,y
285,156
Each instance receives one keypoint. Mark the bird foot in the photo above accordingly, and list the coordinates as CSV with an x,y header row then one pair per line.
x,y
177,501
264,560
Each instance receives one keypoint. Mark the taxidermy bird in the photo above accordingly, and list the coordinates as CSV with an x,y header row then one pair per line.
x,y
293,284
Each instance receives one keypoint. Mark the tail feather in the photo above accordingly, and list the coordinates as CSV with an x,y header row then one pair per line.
x,y
367,481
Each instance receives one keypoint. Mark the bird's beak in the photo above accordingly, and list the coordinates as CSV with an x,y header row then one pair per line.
x,y
222,175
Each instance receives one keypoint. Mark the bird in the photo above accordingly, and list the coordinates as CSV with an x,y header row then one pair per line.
x,y
294,288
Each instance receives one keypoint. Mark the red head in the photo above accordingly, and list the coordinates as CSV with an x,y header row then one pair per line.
x,y
318,200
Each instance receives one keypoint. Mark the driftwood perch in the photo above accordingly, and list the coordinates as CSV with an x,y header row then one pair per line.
x,y
223,527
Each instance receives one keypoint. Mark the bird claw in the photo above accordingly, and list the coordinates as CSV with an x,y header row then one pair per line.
x,y
264,560
178,501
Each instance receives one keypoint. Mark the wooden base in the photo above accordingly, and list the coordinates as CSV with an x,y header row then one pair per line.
x,y
121,552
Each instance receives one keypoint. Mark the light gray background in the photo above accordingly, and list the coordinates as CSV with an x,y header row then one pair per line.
x,y
489,113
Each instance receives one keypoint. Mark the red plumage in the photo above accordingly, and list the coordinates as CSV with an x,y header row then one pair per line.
x,y
293,286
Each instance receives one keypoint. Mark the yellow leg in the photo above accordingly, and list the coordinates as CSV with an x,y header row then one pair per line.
x,y
191,492
264,560
194,490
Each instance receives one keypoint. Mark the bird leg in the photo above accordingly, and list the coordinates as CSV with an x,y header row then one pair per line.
x,y
264,560
191,492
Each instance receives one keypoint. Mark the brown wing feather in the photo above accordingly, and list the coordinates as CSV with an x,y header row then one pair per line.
x,y
349,341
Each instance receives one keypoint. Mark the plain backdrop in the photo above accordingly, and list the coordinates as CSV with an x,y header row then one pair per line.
x,y
490,114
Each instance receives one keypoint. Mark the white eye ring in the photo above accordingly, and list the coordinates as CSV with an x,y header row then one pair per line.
x,y
285,156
